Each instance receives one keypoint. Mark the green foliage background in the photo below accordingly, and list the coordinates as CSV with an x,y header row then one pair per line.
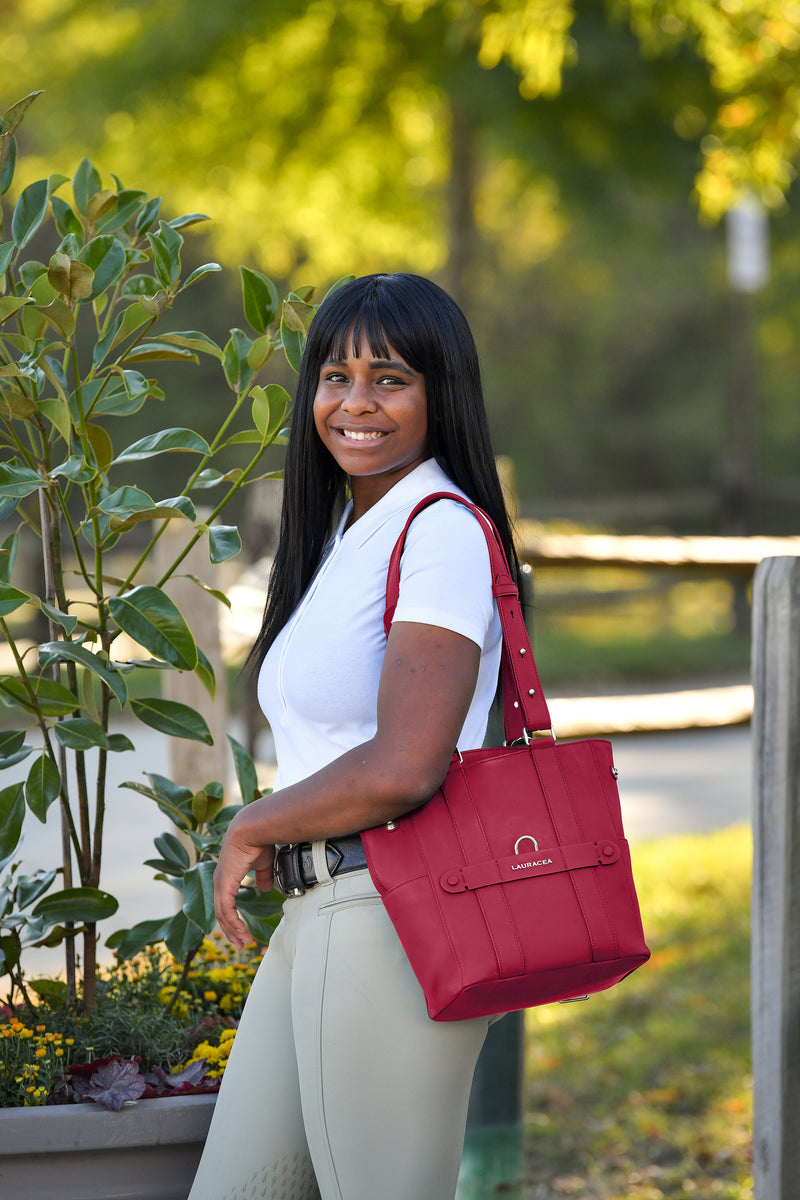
x,y
561,167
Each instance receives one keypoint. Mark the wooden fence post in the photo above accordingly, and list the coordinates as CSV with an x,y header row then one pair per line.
x,y
775,1004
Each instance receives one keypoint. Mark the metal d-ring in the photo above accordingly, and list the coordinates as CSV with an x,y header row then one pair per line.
x,y
526,837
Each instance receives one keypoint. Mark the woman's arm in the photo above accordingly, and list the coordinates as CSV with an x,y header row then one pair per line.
x,y
426,687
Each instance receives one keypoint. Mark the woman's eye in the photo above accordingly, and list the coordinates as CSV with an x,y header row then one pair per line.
x,y
334,377
390,379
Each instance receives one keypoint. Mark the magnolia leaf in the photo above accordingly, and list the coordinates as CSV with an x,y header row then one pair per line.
x,y
176,720
86,183
29,212
12,747
42,786
293,342
237,370
182,936
12,813
205,673
11,599
166,246
198,273
154,621
245,771
9,305
162,442
55,615
119,742
188,219
260,297
105,255
12,117
102,446
16,482
52,699
198,895
50,652
224,541
80,733
190,339
127,942
159,351
83,904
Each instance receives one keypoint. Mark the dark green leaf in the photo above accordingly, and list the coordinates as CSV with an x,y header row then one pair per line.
x,y
224,542
6,254
205,673
31,887
159,352
260,298
8,147
260,911
198,895
335,286
8,556
148,216
53,698
118,743
127,203
12,813
190,339
177,720
149,616
43,786
29,212
124,500
16,482
82,904
67,221
182,936
75,469
173,850
188,219
166,246
293,342
50,652
165,440
245,772
11,599
106,257
54,990
12,117
81,733
128,942
86,183
12,747
198,273
237,370
66,621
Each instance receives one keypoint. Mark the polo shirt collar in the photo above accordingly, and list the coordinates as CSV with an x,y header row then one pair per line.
x,y
426,478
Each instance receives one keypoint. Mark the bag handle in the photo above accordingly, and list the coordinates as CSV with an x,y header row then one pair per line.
x,y
524,705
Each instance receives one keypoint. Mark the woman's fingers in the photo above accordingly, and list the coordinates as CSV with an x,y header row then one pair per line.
x,y
235,862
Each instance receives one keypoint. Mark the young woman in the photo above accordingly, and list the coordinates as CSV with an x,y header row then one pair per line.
x,y
339,1085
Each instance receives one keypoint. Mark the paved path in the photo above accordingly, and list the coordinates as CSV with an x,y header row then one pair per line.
x,y
674,782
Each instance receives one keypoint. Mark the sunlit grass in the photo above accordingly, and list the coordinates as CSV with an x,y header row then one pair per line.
x,y
644,1092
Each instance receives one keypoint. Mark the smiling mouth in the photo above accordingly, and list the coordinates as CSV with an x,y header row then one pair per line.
x,y
359,435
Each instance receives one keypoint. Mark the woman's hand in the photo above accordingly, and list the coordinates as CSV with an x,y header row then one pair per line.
x,y
239,855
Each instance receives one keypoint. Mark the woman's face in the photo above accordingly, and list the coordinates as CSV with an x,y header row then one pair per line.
x,y
372,415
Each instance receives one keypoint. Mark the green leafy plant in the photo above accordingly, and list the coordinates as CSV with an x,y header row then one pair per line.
x,y
80,330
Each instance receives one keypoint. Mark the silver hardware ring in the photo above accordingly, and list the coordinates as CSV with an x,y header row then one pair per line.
x,y
526,837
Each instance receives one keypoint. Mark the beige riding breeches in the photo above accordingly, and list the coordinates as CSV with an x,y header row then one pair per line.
x,y
339,1085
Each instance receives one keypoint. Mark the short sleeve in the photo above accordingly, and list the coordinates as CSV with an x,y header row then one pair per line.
x,y
445,574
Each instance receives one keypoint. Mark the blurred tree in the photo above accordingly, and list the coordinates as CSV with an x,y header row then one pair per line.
x,y
288,120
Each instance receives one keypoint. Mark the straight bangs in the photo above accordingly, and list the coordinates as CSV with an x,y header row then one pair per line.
x,y
376,314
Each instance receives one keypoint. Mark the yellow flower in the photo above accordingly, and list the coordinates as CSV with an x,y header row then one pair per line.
x,y
59,1052
41,1052
209,995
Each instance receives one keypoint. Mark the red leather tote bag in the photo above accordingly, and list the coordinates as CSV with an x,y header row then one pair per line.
x,y
512,886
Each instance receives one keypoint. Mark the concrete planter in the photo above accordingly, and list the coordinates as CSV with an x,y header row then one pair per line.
x,y
149,1151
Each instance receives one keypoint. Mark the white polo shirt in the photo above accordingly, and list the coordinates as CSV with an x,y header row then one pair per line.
x,y
318,684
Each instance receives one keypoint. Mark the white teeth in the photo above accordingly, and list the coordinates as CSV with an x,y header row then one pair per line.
x,y
357,436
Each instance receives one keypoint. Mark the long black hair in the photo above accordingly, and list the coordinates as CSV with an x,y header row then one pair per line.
x,y
430,332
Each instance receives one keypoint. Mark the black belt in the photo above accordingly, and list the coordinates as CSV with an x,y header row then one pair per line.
x,y
294,864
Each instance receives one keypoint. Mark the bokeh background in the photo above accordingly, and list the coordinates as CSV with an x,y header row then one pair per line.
x,y
563,168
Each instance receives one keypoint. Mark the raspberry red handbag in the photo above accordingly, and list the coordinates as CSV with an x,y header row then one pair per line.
x,y
512,886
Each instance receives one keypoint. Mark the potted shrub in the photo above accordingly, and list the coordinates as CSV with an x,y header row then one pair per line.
x,y
82,325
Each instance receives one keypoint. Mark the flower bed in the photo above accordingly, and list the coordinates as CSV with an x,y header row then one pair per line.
x,y
157,1031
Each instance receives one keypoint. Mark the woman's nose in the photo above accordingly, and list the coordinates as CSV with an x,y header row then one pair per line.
x,y
359,398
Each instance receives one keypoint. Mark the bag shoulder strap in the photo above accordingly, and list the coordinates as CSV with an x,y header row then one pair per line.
x,y
524,705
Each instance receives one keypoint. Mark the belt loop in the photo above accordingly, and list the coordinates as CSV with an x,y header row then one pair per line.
x,y
320,860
